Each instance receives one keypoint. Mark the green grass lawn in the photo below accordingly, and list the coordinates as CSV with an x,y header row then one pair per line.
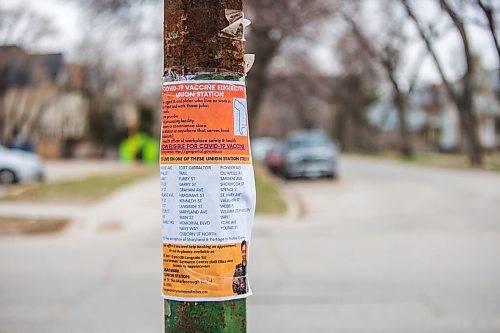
x,y
269,199
455,161
79,190
459,161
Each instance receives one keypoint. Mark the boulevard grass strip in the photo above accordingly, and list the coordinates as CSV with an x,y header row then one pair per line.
x,y
455,161
492,162
439,160
269,198
81,190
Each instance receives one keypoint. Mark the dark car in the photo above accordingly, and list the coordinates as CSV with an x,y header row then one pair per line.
x,y
310,154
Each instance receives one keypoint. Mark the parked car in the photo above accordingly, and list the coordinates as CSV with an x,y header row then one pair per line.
x,y
310,154
17,166
261,146
275,158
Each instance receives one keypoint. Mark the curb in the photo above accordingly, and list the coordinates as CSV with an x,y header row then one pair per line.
x,y
295,207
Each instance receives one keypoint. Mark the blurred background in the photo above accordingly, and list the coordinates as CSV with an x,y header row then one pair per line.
x,y
375,132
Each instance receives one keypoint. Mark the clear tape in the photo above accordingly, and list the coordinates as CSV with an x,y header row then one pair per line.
x,y
174,74
237,25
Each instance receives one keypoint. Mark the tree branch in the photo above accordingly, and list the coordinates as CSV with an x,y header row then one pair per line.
x,y
428,44
489,13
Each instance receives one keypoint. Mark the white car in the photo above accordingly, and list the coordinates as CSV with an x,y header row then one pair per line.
x,y
17,166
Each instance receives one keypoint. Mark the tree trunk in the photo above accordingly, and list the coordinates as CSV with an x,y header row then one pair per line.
x,y
3,91
258,79
400,101
463,99
469,125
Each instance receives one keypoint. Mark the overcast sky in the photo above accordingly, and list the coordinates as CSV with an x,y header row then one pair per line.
x,y
68,20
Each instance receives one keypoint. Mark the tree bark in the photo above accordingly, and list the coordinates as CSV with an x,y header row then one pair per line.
x,y
192,40
400,101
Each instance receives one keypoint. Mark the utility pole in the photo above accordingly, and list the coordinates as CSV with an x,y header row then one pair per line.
x,y
203,41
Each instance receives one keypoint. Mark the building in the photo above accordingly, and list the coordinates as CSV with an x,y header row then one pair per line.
x,y
433,119
41,101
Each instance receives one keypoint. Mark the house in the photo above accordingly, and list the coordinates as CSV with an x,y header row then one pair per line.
x,y
41,101
487,109
434,121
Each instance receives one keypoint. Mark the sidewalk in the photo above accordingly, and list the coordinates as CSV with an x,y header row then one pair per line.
x,y
131,209
101,274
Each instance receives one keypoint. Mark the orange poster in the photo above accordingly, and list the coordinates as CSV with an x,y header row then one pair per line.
x,y
205,122
207,190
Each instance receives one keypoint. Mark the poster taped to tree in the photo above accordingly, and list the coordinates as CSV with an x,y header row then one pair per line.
x,y
207,190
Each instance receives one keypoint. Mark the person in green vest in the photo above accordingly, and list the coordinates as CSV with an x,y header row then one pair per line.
x,y
139,148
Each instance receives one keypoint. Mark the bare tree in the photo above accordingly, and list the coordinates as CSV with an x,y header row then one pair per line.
x,y
299,99
125,20
115,25
273,23
462,96
386,53
17,27
490,14
352,93
106,87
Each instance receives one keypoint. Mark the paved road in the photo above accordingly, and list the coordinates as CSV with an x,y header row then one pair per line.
x,y
387,248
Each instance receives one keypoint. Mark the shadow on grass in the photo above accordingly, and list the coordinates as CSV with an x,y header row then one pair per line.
x,y
31,226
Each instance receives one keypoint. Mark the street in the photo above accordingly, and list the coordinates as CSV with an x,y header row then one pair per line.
x,y
387,247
